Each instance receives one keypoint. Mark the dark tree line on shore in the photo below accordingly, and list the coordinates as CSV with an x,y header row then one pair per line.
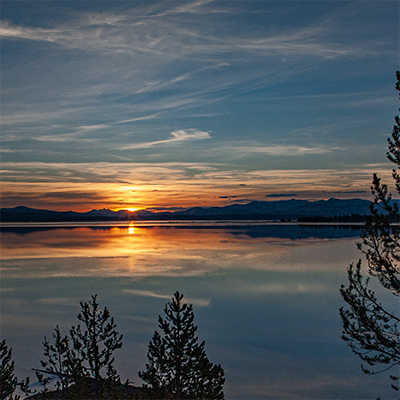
x,y
83,361
335,219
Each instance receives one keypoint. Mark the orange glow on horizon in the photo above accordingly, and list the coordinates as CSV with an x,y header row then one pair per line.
x,y
174,191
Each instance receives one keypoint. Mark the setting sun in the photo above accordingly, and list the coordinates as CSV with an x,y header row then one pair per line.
x,y
132,209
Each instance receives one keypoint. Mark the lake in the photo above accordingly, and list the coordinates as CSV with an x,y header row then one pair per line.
x,y
265,297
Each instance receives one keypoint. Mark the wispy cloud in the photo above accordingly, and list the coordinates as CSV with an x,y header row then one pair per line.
x,y
64,301
280,150
145,176
7,150
147,293
73,136
84,186
137,119
281,102
193,7
156,49
138,32
290,288
177,136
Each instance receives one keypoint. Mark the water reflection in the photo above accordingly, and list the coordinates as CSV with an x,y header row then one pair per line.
x,y
266,298
20,242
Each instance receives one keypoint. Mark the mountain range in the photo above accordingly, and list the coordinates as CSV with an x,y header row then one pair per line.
x,y
254,210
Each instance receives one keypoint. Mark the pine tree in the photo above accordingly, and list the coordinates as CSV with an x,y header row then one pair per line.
x,y
83,361
371,329
8,382
178,366
93,346
58,360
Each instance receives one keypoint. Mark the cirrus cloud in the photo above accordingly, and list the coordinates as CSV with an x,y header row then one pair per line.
x,y
278,150
177,136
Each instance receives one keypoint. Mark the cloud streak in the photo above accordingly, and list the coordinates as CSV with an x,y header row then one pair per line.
x,y
147,84
138,32
281,150
84,186
177,136
147,293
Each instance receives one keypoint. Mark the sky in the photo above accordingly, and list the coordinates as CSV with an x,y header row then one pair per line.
x,y
169,104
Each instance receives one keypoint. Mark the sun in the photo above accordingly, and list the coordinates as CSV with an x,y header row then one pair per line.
x,y
130,209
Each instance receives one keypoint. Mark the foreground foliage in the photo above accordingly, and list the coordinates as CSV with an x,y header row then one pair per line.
x,y
178,366
370,328
86,352
8,381
83,361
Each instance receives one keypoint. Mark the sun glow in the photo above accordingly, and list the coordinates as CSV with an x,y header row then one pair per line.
x,y
132,209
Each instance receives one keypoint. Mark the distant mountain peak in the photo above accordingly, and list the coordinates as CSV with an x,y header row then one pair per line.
x,y
263,210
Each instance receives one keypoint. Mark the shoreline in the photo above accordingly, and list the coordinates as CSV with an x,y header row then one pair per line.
x,y
171,223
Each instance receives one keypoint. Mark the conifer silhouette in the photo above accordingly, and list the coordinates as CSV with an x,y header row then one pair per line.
x,y
178,366
370,328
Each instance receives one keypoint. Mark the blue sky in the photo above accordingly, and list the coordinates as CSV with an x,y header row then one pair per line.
x,y
150,104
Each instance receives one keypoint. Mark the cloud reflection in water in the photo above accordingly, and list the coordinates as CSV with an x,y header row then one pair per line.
x,y
266,299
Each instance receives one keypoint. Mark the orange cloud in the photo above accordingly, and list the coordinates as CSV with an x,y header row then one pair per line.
x,y
82,187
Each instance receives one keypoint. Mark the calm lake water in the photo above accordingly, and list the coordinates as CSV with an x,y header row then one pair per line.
x,y
266,299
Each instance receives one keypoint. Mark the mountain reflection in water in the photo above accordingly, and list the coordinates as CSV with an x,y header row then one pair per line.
x,y
284,230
